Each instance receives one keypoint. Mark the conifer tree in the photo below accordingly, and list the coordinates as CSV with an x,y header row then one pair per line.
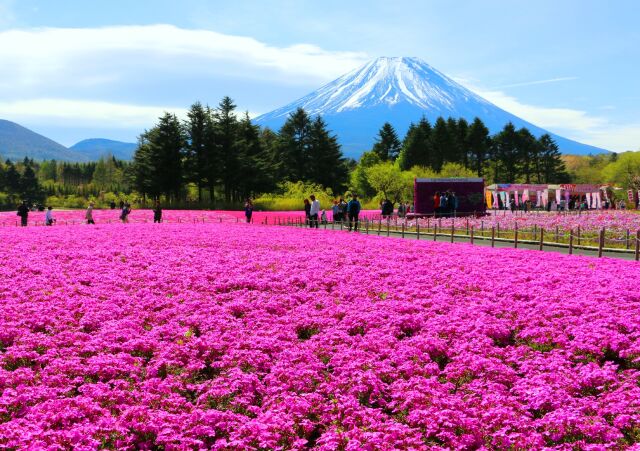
x,y
416,147
326,162
441,144
227,126
293,146
479,142
387,144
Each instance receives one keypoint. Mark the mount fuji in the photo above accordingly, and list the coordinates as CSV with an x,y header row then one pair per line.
x,y
400,91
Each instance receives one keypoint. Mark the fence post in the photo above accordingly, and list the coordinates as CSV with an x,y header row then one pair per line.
x,y
628,242
366,225
570,241
388,224
453,225
515,241
535,231
541,238
498,229
467,225
601,242
493,236
638,245
403,230
578,235
471,232
435,230
417,229
379,225
557,234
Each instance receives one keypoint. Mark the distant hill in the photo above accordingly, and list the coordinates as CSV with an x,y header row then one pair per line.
x,y
400,91
17,142
95,148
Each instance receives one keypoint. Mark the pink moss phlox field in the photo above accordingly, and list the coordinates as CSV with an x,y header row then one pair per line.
x,y
233,336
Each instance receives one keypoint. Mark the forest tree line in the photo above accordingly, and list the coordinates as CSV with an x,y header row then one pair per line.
x,y
216,157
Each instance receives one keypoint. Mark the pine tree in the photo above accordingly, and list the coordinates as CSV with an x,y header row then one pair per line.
x,y
552,167
195,151
227,126
387,144
293,146
158,159
506,155
326,162
441,144
29,187
528,153
254,171
479,142
212,160
416,147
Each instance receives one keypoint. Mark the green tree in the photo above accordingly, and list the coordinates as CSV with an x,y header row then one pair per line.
x,y
441,144
158,159
416,147
624,171
552,168
227,126
389,181
387,145
479,142
195,164
506,155
326,163
359,182
293,146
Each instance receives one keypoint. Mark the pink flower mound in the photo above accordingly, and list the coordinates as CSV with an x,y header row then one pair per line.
x,y
226,336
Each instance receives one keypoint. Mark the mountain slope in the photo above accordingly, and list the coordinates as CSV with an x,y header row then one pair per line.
x,y
400,91
95,148
17,142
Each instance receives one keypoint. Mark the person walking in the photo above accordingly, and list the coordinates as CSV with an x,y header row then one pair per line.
x,y
23,212
157,213
342,209
353,211
248,210
89,214
48,217
314,211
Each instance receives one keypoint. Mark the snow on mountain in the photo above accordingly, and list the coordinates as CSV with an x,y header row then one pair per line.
x,y
399,90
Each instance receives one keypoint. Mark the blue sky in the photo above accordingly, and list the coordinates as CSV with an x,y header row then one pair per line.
x,y
80,69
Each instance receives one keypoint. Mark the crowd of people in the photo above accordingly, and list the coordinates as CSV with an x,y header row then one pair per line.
x,y
343,212
125,210
445,204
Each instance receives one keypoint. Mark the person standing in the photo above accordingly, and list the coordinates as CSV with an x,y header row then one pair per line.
x,y
157,212
248,210
126,210
436,203
307,211
342,209
89,214
23,212
401,210
314,211
48,218
453,200
353,211
335,211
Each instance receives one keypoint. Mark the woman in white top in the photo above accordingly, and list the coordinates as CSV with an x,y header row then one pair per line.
x,y
48,218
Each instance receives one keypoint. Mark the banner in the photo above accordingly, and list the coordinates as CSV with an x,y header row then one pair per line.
x,y
588,200
630,196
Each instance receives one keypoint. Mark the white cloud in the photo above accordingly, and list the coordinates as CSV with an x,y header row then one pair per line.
x,y
571,123
90,55
84,112
536,82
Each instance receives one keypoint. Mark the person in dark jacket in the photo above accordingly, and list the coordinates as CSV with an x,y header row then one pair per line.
x,y
248,209
353,211
387,209
23,212
157,212
307,211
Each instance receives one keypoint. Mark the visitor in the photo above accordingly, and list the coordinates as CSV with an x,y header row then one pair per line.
x,y
248,210
89,214
124,215
512,204
314,211
157,212
121,204
307,211
112,205
342,209
453,201
48,218
323,217
444,204
622,205
387,209
401,210
23,212
335,211
353,210
436,204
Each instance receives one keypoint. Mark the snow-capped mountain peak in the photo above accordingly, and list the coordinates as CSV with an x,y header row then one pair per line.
x,y
399,90
384,81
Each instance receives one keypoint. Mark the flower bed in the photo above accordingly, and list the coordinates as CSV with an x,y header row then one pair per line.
x,y
229,336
